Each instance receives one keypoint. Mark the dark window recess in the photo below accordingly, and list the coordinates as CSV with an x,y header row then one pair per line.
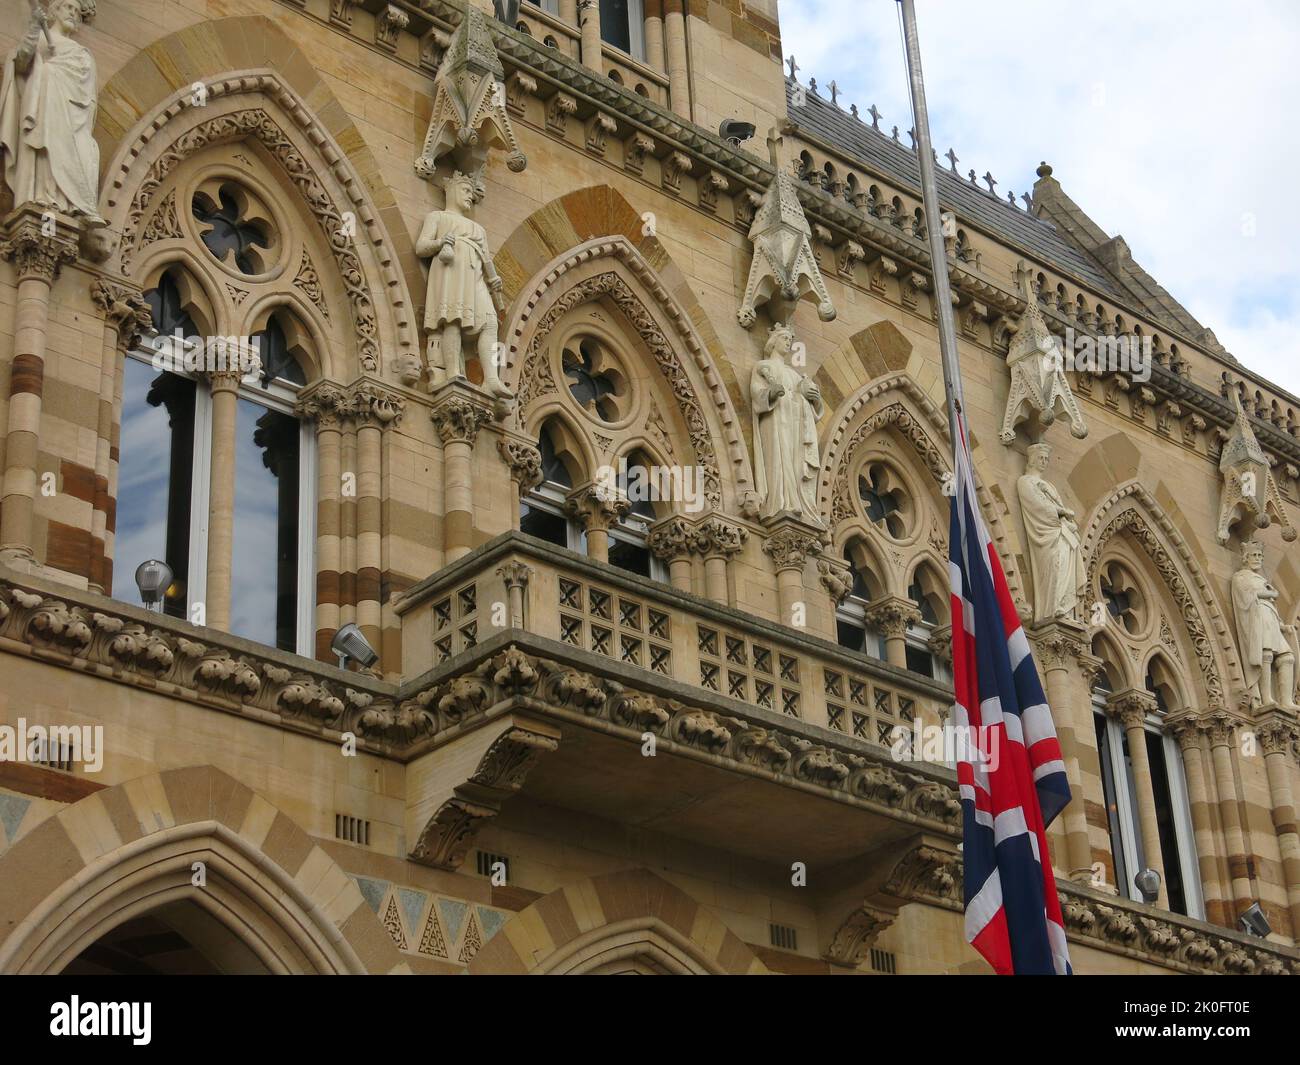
x,y
919,661
1112,804
167,309
1165,823
227,234
918,596
634,558
851,636
593,388
783,937
484,862
544,525
616,24
273,349
553,469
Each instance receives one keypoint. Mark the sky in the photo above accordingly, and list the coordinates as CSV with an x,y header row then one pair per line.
x,y
1175,123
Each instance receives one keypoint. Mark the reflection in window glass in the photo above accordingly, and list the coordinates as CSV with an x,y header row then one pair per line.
x,y
155,475
264,571
1165,823
1112,803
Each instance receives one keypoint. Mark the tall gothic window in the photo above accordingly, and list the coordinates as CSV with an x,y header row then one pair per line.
x,y
542,512
851,625
622,24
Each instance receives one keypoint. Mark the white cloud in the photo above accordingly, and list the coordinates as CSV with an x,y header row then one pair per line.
x,y
1171,122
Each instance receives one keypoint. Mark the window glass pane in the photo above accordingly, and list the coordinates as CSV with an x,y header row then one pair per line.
x,y
278,362
155,475
635,558
615,26
169,317
1165,823
1130,888
264,571
850,635
544,525
919,661
1112,803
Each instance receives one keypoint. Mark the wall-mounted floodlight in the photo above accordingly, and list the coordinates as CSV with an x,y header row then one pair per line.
x,y
348,643
153,578
1254,923
1148,882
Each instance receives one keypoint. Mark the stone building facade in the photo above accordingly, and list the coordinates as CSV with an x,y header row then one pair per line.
x,y
483,264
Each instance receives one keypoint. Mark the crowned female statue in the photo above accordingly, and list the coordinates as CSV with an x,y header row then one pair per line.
x,y
786,407
1055,555
48,99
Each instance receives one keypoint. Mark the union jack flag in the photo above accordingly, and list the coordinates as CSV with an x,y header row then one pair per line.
x,y
1010,773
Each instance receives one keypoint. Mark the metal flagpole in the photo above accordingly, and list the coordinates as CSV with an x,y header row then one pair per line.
x,y
933,222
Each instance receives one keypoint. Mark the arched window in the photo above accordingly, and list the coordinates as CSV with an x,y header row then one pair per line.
x,y
851,626
638,479
542,512
928,593
162,507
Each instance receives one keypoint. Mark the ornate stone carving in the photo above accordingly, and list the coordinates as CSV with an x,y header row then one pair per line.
x,y
1265,644
930,874
1131,706
670,538
635,150
1249,488
389,23
784,267
596,505
1052,535
788,548
327,405
1277,732
891,616
370,401
307,281
674,166
459,419
515,574
48,102
599,128
34,251
525,463
899,417
1038,384
469,115
124,309
715,536
836,578
786,405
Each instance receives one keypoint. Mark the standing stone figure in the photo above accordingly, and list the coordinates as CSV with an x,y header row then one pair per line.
x,y
1055,557
48,100
1260,632
786,408
464,288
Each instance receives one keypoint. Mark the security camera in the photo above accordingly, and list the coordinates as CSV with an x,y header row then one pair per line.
x,y
1254,923
348,643
734,132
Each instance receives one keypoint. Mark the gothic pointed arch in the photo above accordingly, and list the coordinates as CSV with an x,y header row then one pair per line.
x,y
695,390
629,921
130,850
896,404
1132,510
242,81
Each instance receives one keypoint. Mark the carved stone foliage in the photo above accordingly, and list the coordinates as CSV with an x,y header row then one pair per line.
x,y
789,548
157,658
1038,384
854,939
843,494
124,310
34,253
536,379
469,114
784,267
524,461
257,123
458,420
716,537
1249,489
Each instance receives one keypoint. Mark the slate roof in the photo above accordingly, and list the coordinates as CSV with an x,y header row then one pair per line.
x,y
897,163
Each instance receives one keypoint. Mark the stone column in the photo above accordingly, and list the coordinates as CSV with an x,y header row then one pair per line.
x,y
597,506
375,409
126,316
458,418
679,90
326,405
38,244
789,545
589,24
525,464
1059,645
224,385
654,34
1277,732
891,617
1187,731
515,575
569,11
670,540
1132,706
1220,726
348,521
719,541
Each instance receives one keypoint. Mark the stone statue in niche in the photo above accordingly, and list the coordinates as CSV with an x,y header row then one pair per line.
x,y
1052,532
1267,658
464,293
786,407
48,101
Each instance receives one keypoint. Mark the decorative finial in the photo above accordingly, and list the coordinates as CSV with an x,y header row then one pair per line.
x,y
1044,170
793,67
971,177
812,86
992,184
912,133
1011,197
896,141
835,94
952,160
1029,201
875,118
773,145
853,110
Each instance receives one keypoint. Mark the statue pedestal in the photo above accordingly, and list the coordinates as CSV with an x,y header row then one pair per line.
x,y
791,541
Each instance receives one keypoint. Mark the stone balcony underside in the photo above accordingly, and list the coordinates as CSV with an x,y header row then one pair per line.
x,y
522,716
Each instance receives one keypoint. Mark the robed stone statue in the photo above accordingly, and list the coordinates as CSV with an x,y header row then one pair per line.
x,y
1266,655
1055,555
461,302
786,407
48,99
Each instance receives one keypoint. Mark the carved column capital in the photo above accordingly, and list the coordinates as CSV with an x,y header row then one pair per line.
x,y
458,419
596,505
1131,706
124,310
38,243
891,616
515,574
326,405
789,547
1059,644
836,578
1277,731
715,537
670,539
524,461
1187,730
372,403
1220,726
223,378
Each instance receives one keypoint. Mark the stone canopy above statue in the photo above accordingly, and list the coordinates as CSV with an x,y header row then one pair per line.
x,y
784,269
